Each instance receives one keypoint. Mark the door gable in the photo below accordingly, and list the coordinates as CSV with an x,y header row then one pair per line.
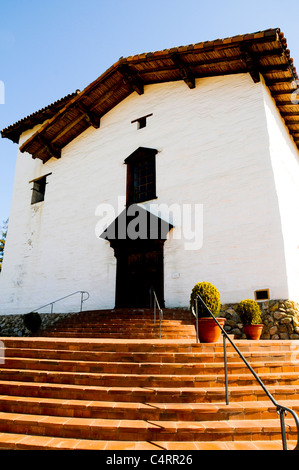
x,y
135,224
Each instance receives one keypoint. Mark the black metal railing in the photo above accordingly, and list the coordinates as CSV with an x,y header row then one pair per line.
x,y
82,299
157,307
281,410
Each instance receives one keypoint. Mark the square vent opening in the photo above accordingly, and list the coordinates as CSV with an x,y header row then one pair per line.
x,y
261,295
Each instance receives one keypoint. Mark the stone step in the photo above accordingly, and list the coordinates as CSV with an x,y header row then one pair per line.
x,y
125,323
125,320
116,328
279,349
111,352
69,389
131,313
180,368
147,335
90,344
145,380
120,323
119,330
137,322
146,395
143,430
13,441
143,411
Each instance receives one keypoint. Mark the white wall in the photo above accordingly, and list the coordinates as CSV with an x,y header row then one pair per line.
x,y
285,162
213,150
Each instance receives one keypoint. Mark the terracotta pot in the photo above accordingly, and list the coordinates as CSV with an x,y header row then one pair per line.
x,y
253,331
208,330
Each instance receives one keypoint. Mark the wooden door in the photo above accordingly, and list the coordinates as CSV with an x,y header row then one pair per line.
x,y
139,267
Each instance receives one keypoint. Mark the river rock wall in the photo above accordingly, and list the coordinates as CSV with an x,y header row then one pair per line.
x,y
280,319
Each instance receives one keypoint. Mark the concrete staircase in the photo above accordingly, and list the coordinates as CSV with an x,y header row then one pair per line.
x,y
104,380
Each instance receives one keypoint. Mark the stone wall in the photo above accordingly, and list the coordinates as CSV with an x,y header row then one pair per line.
x,y
280,319
13,325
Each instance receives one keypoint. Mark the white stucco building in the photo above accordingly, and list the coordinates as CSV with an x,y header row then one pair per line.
x,y
210,131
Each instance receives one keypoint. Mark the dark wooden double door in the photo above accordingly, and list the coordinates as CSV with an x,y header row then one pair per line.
x,y
139,269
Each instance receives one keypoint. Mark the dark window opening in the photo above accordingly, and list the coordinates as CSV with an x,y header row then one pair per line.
x,y
141,176
38,189
141,122
262,295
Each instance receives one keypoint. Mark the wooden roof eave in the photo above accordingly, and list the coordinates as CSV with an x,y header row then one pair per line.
x,y
255,54
84,113
14,131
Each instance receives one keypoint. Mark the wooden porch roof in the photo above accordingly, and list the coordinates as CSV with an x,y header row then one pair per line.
x,y
262,53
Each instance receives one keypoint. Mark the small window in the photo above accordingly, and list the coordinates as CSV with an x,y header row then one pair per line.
x,y
261,295
141,175
39,189
141,122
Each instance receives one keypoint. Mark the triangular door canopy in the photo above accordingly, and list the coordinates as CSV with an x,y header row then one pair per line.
x,y
136,223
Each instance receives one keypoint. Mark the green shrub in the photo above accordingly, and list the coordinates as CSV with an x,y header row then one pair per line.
x,y
210,296
249,312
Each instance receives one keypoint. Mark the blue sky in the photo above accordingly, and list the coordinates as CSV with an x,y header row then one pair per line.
x,y
49,49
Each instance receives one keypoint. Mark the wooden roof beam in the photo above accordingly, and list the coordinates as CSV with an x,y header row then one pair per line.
x,y
67,128
286,103
90,117
96,115
276,81
131,78
282,92
52,150
184,70
251,63
289,114
276,68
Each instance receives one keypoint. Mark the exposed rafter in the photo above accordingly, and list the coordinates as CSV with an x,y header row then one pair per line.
x,y
282,92
184,70
131,78
289,113
286,103
52,150
92,118
277,81
251,63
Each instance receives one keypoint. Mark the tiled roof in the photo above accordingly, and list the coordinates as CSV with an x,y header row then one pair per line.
x,y
263,54
14,131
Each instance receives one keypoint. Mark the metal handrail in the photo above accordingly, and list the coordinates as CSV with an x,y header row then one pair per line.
x,y
82,292
157,305
195,314
281,410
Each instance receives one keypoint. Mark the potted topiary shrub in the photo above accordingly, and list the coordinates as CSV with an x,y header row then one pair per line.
x,y
208,330
251,317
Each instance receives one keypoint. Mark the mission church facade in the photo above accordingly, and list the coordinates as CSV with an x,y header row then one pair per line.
x,y
201,141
